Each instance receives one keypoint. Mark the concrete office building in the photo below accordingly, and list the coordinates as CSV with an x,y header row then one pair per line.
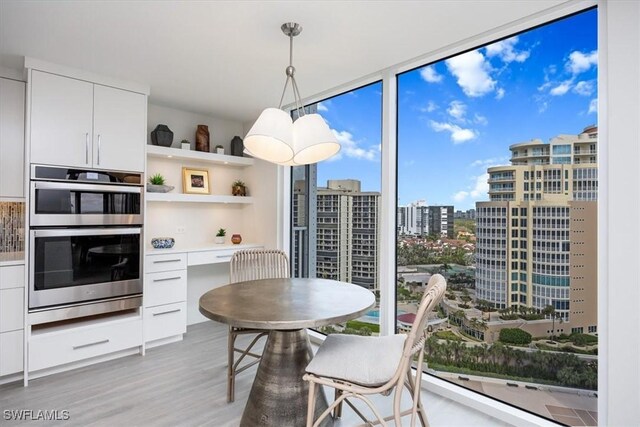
x,y
418,219
537,236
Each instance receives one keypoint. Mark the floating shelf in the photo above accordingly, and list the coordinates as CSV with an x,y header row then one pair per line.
x,y
196,198
198,156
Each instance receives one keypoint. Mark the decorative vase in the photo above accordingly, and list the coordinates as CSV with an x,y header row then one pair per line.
x,y
236,239
219,240
202,138
162,135
237,146
239,190
153,188
163,242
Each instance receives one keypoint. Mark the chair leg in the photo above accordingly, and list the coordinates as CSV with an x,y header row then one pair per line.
x,y
337,412
231,380
311,406
396,404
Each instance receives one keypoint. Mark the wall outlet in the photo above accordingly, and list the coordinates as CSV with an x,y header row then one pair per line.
x,y
181,229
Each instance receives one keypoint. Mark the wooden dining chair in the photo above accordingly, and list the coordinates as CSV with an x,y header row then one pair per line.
x,y
251,264
357,366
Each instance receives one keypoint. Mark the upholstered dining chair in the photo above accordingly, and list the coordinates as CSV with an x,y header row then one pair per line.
x,y
251,264
357,366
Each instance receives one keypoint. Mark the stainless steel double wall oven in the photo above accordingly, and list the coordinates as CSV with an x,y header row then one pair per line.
x,y
85,231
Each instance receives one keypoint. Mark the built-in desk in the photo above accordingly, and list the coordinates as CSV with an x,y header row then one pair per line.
x,y
175,279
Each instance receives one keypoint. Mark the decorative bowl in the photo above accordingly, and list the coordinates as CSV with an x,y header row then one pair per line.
x,y
163,242
153,188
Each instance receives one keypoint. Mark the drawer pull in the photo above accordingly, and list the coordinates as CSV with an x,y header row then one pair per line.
x,y
77,347
166,260
167,312
167,278
223,256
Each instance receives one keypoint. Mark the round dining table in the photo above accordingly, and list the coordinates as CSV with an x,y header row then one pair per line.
x,y
285,308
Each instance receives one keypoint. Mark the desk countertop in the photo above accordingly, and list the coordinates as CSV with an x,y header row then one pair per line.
x,y
178,249
11,258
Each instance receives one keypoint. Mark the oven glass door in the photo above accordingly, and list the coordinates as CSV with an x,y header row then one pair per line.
x,y
54,203
75,265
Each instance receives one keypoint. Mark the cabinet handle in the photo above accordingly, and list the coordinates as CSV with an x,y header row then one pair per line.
x,y
223,256
99,140
166,260
167,279
167,312
77,347
86,148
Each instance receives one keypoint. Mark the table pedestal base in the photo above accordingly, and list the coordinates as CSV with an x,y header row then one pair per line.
x,y
279,395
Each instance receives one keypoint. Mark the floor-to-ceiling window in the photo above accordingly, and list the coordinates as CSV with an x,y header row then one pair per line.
x,y
497,190
335,206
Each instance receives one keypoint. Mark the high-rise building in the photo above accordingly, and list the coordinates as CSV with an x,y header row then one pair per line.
x,y
440,221
418,219
347,244
537,236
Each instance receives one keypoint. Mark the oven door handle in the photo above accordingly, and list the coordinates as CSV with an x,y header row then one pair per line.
x,y
85,232
99,188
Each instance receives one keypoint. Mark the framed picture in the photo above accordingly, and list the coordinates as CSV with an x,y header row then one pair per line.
x,y
195,181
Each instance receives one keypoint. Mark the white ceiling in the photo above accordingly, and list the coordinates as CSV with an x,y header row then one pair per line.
x,y
228,58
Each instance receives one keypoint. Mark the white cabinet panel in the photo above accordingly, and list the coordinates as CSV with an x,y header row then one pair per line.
x,y
165,262
119,129
12,95
12,276
61,120
165,288
165,321
11,352
11,309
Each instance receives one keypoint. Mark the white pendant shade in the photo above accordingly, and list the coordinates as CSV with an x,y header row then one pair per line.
x,y
313,141
271,137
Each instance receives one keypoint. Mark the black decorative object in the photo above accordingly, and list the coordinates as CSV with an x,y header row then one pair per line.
x,y
162,135
237,147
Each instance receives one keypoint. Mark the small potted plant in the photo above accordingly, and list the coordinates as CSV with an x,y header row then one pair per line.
x,y
238,188
156,184
220,236
185,144
219,149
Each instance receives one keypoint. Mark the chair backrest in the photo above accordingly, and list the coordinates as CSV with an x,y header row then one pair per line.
x,y
255,264
432,296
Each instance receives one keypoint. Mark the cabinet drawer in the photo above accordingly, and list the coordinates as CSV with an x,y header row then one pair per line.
x,y
55,349
11,352
165,262
11,309
165,288
12,276
165,321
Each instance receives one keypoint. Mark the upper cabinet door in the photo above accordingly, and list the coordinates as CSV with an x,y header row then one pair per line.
x,y
11,138
61,120
119,133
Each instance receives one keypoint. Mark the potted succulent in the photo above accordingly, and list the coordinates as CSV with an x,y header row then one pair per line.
x,y
219,149
238,188
156,184
185,144
220,236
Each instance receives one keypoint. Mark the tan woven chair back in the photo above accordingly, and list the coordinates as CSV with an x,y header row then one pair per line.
x,y
256,264
432,295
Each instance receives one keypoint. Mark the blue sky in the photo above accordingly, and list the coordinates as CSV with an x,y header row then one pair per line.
x,y
458,116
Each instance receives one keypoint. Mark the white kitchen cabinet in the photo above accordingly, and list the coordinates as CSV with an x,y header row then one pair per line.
x,y
83,124
11,309
11,318
11,352
12,95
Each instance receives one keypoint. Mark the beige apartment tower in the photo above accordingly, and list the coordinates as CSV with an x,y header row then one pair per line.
x,y
537,236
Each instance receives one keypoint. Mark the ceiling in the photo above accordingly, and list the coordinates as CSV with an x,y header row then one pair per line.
x,y
227,58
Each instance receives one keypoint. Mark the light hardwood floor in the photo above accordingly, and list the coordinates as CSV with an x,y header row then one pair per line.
x,y
179,384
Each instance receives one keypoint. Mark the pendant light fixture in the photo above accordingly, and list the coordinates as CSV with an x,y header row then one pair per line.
x,y
276,138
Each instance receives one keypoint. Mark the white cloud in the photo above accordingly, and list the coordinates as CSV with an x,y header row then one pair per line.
x,y
322,106
499,93
593,106
480,119
543,107
561,89
431,106
506,51
472,73
458,134
430,75
460,196
584,88
579,62
479,190
457,110
487,163
351,148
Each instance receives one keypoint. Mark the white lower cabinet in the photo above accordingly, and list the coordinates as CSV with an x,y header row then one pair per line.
x,y
11,319
11,352
57,348
165,321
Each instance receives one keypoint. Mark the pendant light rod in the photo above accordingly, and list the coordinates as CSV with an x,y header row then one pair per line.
x,y
292,29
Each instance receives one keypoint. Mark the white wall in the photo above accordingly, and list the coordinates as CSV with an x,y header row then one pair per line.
x,y
619,278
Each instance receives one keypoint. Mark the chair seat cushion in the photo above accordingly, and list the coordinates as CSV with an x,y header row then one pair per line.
x,y
368,361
